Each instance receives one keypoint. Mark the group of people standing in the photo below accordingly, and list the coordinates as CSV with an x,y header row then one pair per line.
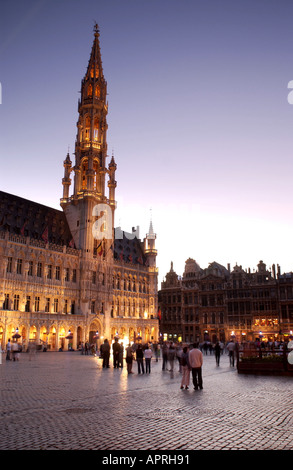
x,y
12,350
190,359
143,356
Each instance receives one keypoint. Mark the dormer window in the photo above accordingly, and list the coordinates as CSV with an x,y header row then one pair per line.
x,y
97,92
96,129
87,128
90,90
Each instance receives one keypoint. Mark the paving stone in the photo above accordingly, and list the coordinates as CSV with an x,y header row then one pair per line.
x,y
67,401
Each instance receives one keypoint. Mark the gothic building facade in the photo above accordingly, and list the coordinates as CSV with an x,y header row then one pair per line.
x,y
216,303
68,275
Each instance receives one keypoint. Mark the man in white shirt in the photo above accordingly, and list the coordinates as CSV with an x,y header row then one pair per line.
x,y
196,360
148,357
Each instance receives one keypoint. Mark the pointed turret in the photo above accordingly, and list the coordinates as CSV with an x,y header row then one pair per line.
x,y
112,183
66,181
149,246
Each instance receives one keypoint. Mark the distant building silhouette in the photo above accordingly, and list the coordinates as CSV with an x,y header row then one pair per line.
x,y
216,303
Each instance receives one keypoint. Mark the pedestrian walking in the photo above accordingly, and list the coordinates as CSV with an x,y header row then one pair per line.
x,y
139,359
129,359
171,356
148,358
222,347
217,353
15,351
165,356
185,368
120,357
8,350
105,353
115,350
231,352
32,349
196,361
179,352
157,351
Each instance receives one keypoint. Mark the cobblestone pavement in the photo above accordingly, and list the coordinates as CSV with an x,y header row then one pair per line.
x,y
67,401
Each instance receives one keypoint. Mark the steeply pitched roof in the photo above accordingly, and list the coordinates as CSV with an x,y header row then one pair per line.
x,y
129,249
216,269
23,217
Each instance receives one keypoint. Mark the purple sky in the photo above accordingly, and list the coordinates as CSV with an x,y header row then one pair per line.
x,y
199,119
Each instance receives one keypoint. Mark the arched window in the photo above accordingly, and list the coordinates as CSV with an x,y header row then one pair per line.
x,y
92,72
96,170
96,129
90,90
84,167
87,128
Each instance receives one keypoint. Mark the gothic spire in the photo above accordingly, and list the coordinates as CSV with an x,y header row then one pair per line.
x,y
94,86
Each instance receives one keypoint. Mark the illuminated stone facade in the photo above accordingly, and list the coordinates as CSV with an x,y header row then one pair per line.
x,y
216,303
71,270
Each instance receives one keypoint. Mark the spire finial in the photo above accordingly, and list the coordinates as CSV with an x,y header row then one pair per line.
x,y
96,28
151,233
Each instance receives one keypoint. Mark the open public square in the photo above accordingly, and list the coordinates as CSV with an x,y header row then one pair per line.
x,y
67,401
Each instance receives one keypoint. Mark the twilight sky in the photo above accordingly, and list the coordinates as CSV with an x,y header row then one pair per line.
x,y
199,118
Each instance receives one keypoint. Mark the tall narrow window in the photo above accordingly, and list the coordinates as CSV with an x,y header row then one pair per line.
x,y
19,266
96,129
56,305
37,304
98,92
90,90
30,268
96,169
94,71
66,274
40,269
28,303
9,265
47,305
84,169
16,302
49,272
87,128
6,302
57,273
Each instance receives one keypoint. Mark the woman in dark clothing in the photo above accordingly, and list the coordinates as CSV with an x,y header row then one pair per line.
x,y
217,353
